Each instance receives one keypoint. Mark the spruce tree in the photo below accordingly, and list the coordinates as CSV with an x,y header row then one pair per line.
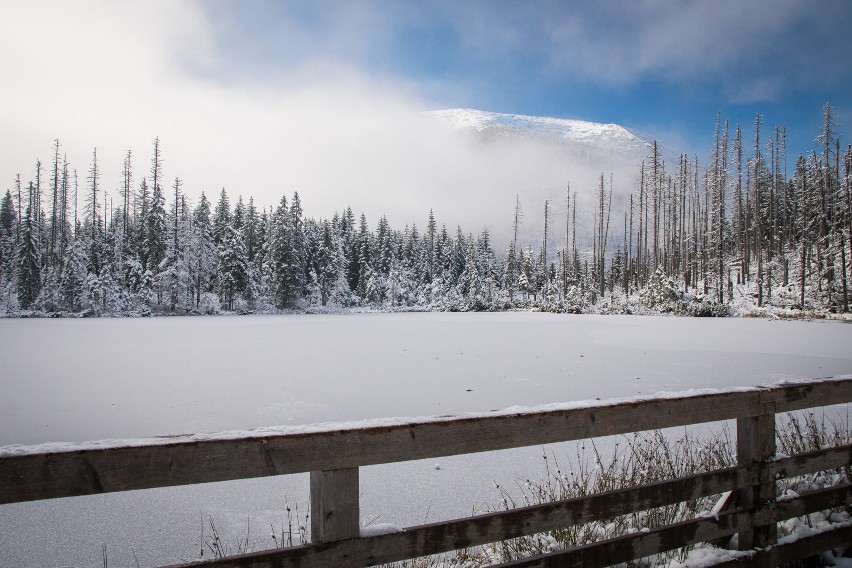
x,y
295,272
29,263
94,234
509,274
350,248
385,245
203,255
221,217
143,202
72,279
327,265
470,280
364,258
233,269
154,245
8,236
252,230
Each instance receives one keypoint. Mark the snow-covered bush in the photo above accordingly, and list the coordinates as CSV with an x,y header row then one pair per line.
x,y
209,304
661,293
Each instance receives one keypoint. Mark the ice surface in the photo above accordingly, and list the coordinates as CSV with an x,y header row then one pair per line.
x,y
80,380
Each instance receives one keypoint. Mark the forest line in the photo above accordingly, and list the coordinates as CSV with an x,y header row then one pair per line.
x,y
699,240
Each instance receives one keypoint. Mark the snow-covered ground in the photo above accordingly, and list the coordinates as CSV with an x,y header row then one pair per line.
x,y
78,380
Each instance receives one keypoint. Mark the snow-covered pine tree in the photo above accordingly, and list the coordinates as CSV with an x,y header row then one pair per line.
x,y
341,293
72,279
429,244
526,274
287,257
201,255
29,263
221,217
142,203
260,264
233,270
470,280
509,273
487,265
350,248
94,223
364,258
327,265
155,243
458,255
55,193
176,275
238,219
127,195
252,230
278,256
385,244
8,237
295,273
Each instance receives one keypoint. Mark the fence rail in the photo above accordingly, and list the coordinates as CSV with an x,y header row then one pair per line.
x,y
333,456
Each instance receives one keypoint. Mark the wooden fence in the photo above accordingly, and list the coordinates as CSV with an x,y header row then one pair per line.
x,y
333,456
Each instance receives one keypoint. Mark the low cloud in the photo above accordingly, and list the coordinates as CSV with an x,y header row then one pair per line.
x,y
116,75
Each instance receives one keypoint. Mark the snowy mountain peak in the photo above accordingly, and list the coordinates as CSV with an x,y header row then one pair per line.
x,y
566,131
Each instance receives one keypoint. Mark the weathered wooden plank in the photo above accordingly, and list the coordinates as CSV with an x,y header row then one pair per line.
x,y
481,529
789,552
335,510
810,394
755,446
815,544
813,501
819,460
181,461
638,545
633,547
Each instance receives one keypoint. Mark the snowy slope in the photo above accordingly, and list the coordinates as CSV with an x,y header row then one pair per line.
x,y
538,159
578,137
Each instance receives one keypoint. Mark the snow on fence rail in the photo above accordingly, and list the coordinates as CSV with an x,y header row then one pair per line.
x,y
333,453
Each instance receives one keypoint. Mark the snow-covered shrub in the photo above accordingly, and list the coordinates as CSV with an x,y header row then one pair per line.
x,y
703,306
209,304
643,458
661,294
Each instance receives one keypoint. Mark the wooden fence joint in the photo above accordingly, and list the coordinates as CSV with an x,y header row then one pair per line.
x,y
335,511
756,447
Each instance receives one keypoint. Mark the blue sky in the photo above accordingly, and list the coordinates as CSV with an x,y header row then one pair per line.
x,y
265,97
664,68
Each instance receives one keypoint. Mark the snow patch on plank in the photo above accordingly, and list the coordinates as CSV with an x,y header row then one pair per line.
x,y
376,423
379,529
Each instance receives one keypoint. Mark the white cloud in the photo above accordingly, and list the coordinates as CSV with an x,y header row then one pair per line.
x,y
116,75
740,48
623,42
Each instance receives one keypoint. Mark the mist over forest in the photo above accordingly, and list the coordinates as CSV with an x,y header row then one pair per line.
x,y
744,230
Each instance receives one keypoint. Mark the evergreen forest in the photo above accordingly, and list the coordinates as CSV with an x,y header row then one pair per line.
x,y
751,231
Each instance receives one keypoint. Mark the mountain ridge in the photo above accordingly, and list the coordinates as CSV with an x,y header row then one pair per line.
x,y
493,125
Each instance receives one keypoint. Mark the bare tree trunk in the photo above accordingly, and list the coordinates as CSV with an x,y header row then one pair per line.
x,y
517,222
544,248
843,273
758,236
802,278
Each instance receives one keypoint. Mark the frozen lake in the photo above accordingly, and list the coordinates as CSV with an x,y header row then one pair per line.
x,y
79,380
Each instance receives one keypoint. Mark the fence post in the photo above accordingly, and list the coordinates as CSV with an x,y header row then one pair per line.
x,y
755,446
335,511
